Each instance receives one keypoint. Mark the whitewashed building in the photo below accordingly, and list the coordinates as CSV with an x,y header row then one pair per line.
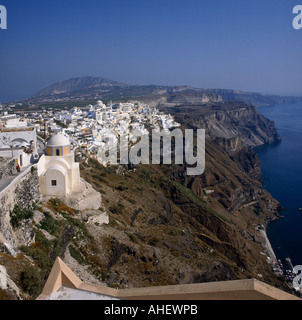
x,y
59,174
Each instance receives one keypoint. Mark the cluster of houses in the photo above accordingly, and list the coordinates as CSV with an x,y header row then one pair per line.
x,y
50,137
88,127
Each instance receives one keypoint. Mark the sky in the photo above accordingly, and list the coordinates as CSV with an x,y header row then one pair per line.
x,y
231,44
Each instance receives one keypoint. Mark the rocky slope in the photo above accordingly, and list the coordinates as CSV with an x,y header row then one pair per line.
x,y
164,227
257,99
77,84
226,120
233,171
168,228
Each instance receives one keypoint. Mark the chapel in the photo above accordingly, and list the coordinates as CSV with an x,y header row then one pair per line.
x,y
59,174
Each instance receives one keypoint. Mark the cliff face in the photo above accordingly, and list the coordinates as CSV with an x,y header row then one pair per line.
x,y
233,171
183,229
254,98
243,122
173,229
228,122
165,227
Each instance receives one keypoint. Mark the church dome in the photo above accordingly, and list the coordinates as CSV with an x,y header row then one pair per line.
x,y
58,145
58,140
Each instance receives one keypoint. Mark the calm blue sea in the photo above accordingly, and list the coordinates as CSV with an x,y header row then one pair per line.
x,y
282,173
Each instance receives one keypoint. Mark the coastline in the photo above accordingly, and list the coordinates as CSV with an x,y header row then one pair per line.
x,y
269,251
262,228
282,177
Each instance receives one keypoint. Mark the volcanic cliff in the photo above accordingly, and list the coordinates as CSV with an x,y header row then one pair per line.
x,y
165,227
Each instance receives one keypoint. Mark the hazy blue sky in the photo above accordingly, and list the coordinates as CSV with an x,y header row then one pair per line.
x,y
235,44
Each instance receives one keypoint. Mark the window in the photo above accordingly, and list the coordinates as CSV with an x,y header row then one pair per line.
x,y
57,152
53,183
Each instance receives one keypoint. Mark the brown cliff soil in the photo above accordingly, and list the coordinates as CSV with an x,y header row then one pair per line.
x,y
168,228
165,227
162,232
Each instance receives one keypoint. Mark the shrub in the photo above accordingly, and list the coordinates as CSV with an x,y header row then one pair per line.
x,y
112,221
33,170
50,224
132,201
55,202
117,209
79,225
102,191
121,188
39,256
31,282
76,254
58,248
18,215
133,237
40,238
57,205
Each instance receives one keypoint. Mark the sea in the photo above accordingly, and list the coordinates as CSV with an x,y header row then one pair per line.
x,y
282,175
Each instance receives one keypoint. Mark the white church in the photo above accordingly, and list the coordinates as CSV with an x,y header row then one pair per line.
x,y
59,174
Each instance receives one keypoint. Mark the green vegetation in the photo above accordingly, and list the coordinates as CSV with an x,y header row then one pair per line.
x,y
18,215
59,246
81,231
44,251
55,202
66,105
39,255
175,232
112,221
33,170
132,201
40,238
133,237
117,208
144,174
31,282
194,198
58,206
50,224
121,188
76,254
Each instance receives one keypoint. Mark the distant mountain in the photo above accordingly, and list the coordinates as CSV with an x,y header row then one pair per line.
x,y
89,88
77,84
257,99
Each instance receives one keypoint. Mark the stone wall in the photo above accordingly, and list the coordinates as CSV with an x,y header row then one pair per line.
x,y
7,167
23,191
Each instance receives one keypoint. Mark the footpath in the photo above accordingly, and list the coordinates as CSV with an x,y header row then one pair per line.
x,y
5,182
